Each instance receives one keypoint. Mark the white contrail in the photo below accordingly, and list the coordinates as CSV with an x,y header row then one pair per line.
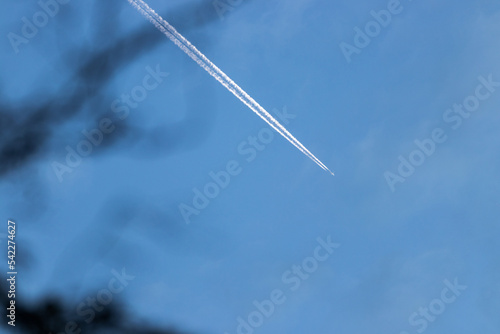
x,y
220,76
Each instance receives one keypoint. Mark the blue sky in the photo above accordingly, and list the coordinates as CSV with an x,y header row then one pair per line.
x,y
120,207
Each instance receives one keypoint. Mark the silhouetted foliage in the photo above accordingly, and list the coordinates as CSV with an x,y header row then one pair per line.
x,y
28,126
52,316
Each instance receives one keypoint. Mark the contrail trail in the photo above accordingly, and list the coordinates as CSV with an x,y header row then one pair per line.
x,y
220,76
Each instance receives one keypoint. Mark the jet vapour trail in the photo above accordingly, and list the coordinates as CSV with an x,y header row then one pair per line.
x,y
219,75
